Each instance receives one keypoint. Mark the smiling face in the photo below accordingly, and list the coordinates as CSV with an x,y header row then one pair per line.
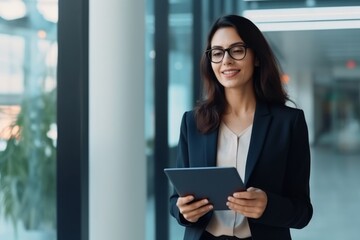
x,y
231,73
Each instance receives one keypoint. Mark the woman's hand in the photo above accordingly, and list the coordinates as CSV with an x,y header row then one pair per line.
x,y
250,203
192,211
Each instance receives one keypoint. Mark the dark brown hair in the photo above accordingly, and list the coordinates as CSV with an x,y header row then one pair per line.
x,y
267,80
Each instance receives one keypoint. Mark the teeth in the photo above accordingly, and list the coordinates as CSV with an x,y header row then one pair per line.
x,y
230,71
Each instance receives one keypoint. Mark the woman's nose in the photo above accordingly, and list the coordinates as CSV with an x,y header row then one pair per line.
x,y
227,58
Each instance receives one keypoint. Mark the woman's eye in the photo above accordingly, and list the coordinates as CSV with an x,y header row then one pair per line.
x,y
217,53
238,50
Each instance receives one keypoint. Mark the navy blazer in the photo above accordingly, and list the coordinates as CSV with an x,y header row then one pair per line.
x,y
278,162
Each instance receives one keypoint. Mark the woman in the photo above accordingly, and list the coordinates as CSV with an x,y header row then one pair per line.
x,y
242,121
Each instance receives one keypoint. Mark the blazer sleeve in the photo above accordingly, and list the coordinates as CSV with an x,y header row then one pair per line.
x,y
292,208
183,161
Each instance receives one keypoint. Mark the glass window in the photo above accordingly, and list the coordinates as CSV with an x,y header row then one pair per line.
x,y
180,66
180,80
179,91
28,132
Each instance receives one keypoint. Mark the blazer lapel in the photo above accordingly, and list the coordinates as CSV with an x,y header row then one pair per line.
x,y
210,148
261,124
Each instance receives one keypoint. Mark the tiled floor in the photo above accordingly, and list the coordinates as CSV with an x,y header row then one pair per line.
x,y
335,193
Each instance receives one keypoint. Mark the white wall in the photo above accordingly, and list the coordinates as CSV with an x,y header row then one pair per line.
x,y
117,175
301,90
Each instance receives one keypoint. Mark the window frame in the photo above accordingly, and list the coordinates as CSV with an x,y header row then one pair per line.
x,y
72,121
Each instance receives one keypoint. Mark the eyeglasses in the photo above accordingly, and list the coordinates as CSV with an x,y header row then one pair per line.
x,y
237,52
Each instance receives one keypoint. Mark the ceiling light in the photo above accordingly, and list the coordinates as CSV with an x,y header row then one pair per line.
x,y
305,18
11,10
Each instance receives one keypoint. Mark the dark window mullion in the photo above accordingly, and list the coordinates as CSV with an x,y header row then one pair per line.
x,y
72,120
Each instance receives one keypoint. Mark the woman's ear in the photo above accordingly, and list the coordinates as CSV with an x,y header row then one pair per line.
x,y
257,63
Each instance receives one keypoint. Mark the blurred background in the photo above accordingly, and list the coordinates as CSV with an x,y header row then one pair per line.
x,y
316,43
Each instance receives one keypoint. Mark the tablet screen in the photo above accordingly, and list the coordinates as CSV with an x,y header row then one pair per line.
x,y
213,183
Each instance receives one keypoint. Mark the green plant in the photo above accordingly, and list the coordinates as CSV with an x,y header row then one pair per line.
x,y
28,165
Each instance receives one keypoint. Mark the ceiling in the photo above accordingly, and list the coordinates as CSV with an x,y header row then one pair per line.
x,y
317,49
336,52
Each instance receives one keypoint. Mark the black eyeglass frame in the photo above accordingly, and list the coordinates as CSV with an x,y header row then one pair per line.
x,y
208,52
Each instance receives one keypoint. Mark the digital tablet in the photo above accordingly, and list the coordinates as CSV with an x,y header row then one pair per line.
x,y
214,183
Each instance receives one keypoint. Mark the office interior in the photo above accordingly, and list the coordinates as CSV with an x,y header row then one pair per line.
x,y
92,94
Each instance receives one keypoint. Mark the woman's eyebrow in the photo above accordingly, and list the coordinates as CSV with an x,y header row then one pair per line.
x,y
233,44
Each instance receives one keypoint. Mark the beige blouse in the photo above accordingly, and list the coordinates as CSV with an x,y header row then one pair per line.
x,y
232,152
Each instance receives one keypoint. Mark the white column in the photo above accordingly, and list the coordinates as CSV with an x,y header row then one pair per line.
x,y
117,164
